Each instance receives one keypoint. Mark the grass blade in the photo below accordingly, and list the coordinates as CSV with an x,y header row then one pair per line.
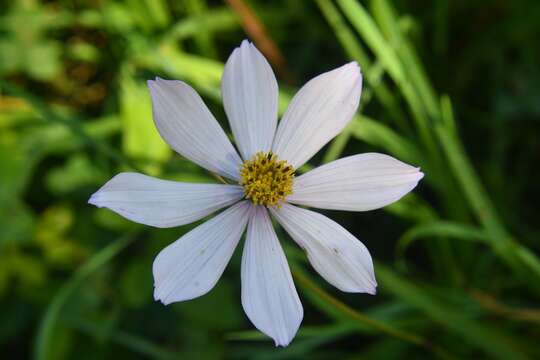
x,y
47,326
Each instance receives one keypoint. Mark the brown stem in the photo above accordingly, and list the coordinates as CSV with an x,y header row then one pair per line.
x,y
490,303
256,30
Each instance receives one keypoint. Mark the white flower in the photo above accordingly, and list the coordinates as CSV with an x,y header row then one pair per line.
x,y
264,174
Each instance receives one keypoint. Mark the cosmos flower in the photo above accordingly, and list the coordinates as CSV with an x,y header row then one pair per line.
x,y
265,184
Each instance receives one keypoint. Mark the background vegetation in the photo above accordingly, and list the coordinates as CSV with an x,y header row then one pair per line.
x,y
451,86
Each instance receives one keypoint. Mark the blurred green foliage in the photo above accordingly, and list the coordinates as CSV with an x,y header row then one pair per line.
x,y
451,86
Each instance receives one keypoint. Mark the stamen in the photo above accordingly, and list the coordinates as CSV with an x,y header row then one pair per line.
x,y
266,179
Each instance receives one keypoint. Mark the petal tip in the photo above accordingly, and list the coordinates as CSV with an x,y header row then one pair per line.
x,y
163,301
94,199
353,67
156,295
419,175
373,290
284,341
159,81
245,43
278,343
361,288
159,298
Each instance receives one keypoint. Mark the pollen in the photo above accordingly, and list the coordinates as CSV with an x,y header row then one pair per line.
x,y
266,179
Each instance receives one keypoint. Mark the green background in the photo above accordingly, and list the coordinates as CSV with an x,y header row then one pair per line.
x,y
450,86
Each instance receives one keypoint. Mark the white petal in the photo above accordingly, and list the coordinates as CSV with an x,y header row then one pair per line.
x,y
317,113
269,297
356,183
187,125
250,97
192,265
163,203
337,255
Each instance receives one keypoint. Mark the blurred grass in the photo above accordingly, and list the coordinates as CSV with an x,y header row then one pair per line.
x,y
451,87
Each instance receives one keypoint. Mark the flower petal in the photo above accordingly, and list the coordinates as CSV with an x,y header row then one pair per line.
x,y
187,125
269,297
163,203
335,253
356,183
192,265
250,97
317,113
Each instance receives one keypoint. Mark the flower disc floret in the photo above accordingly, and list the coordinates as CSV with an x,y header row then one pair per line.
x,y
266,179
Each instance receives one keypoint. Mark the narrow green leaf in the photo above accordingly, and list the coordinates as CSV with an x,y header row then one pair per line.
x,y
387,19
473,332
47,326
341,311
378,134
443,229
213,20
368,30
158,11
133,342
373,72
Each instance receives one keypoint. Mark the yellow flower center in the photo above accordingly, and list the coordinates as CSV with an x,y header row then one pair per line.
x,y
266,179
